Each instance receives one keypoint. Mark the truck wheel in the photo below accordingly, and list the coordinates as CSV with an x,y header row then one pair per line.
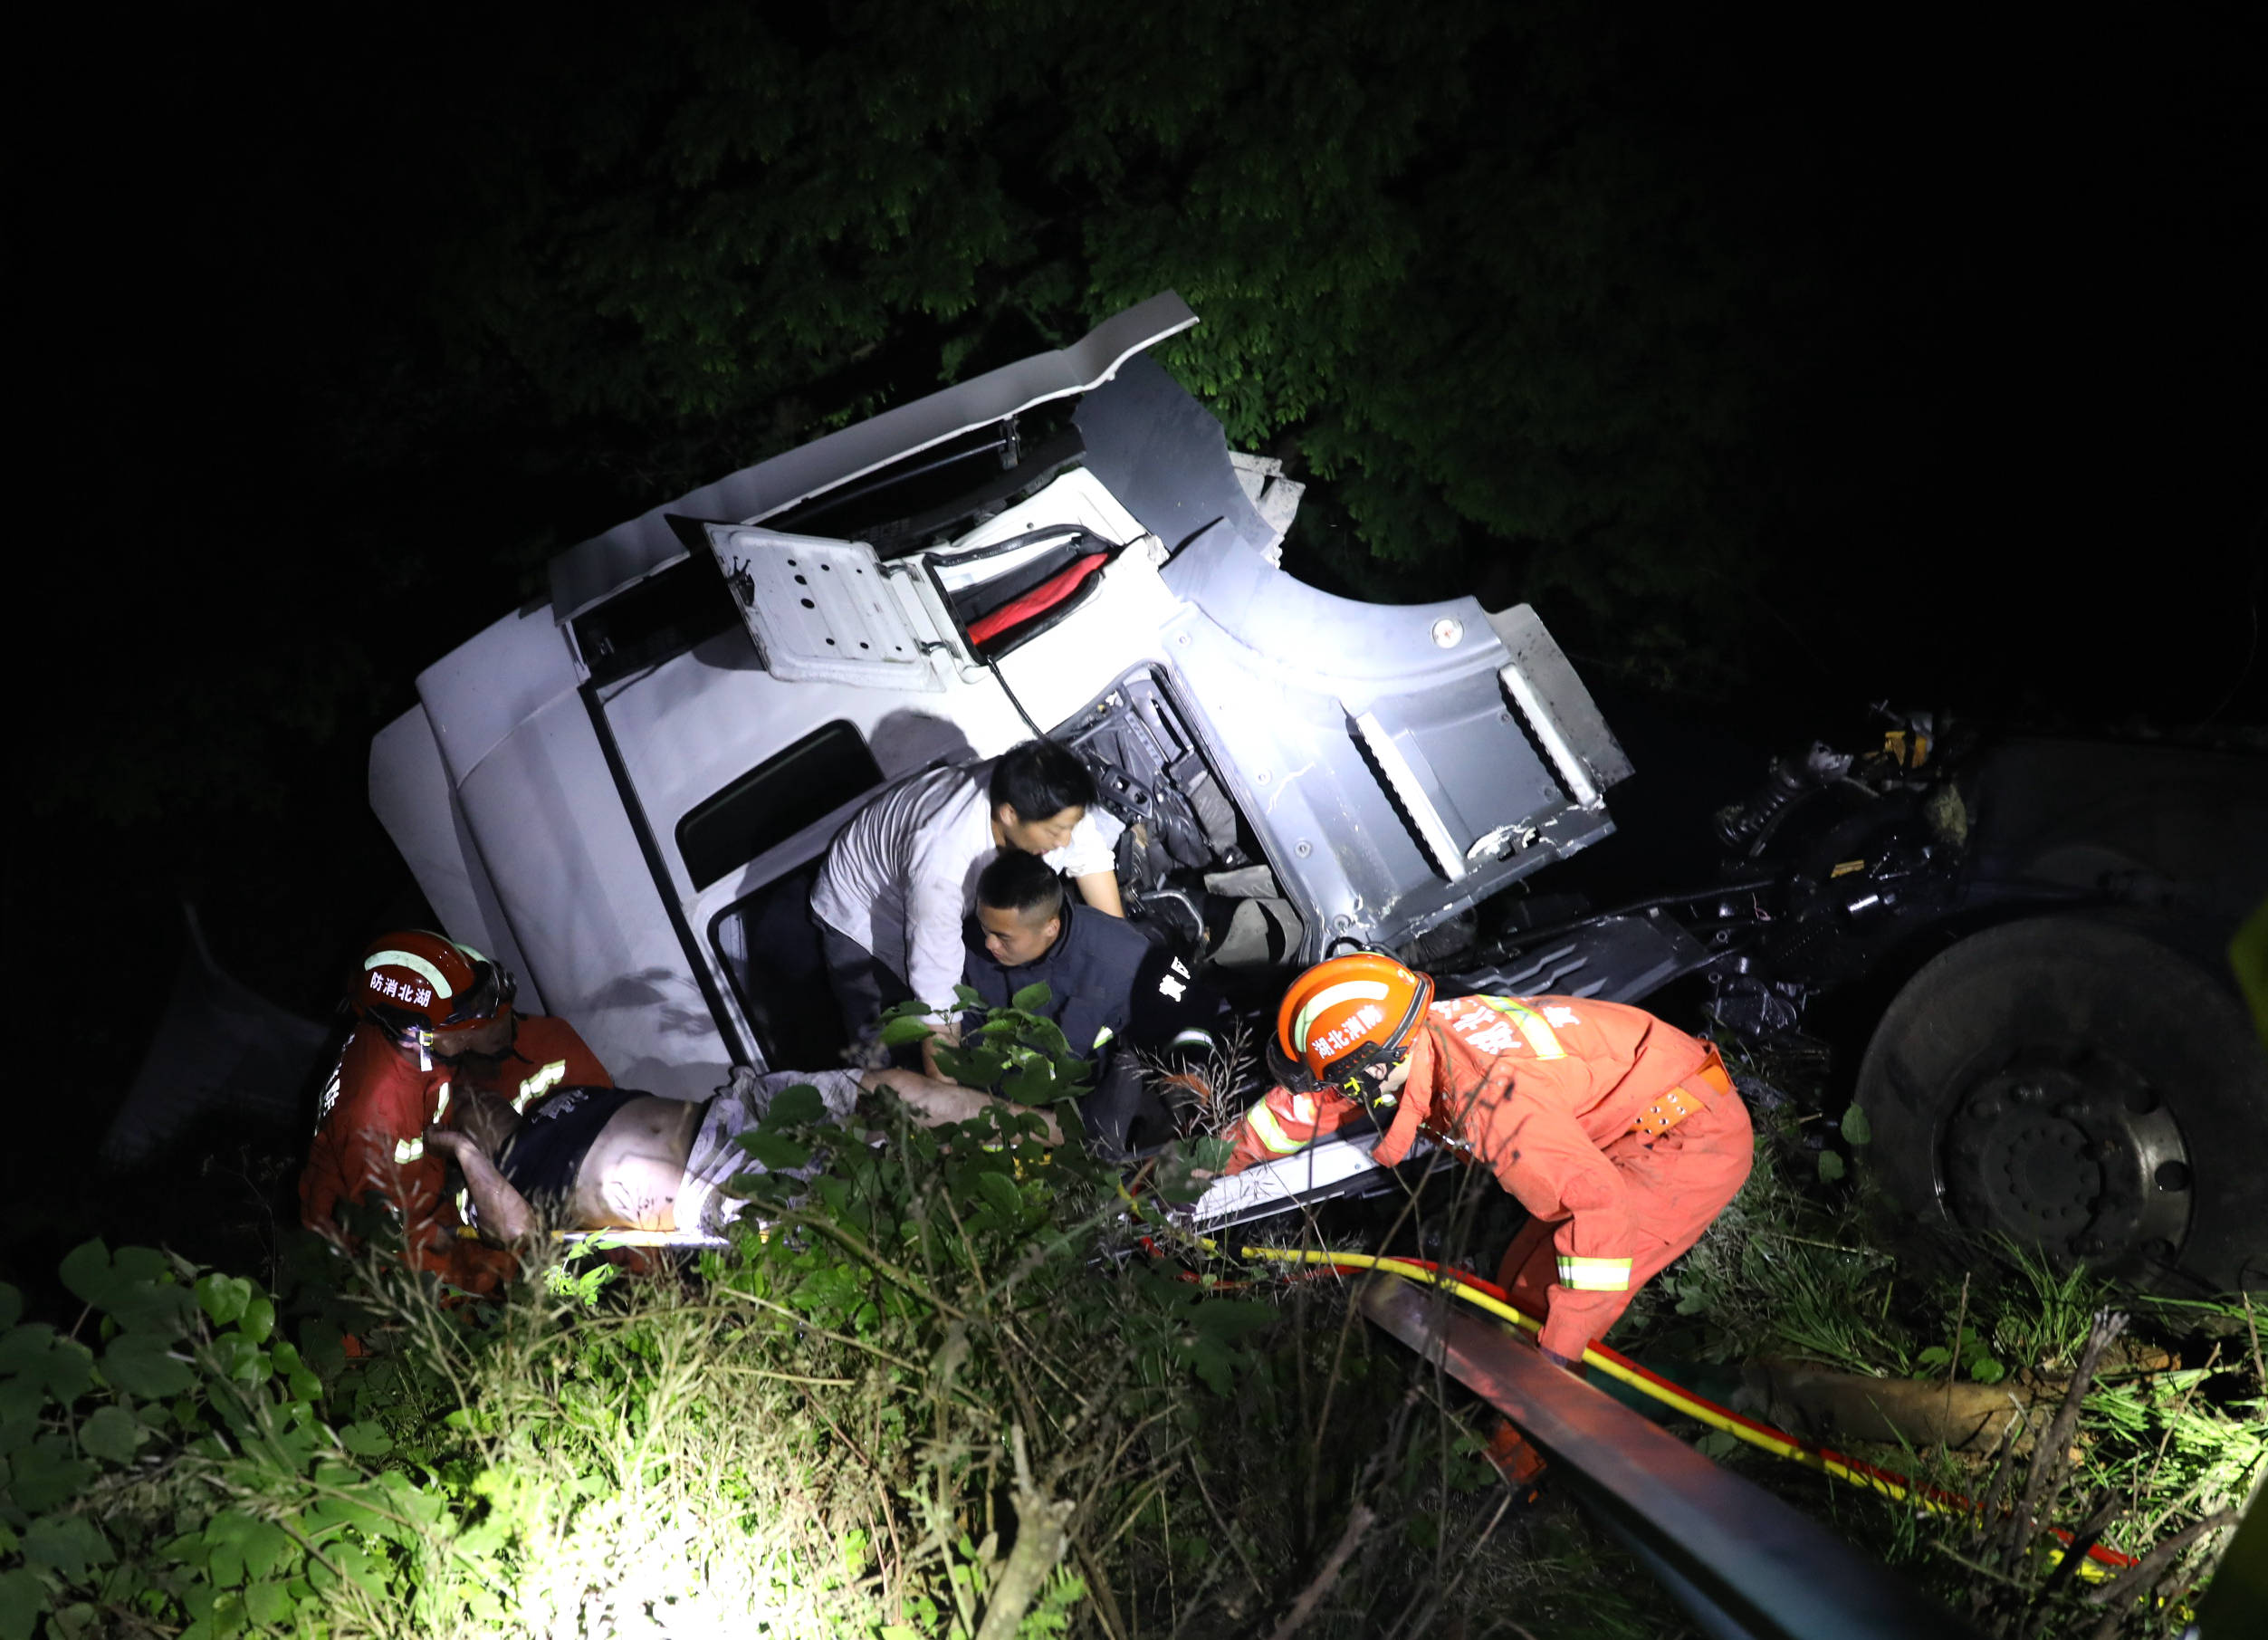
x,y
2077,1086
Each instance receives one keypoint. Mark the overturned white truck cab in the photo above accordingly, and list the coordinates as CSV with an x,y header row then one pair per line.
x,y
624,790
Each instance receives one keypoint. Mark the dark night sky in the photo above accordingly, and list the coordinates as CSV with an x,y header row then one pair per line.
x,y
2032,439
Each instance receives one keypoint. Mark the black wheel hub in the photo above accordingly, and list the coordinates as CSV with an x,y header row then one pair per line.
x,y
2085,1159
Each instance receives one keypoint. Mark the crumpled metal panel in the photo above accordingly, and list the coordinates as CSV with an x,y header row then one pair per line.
x,y
1374,748
584,574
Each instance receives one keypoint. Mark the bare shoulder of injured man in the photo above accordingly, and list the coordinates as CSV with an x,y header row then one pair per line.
x,y
604,1158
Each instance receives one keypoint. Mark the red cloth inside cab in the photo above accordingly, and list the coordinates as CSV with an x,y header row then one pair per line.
x,y
1041,599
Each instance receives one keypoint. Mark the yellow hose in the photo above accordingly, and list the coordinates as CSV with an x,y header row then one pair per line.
x,y
1691,1407
1778,1446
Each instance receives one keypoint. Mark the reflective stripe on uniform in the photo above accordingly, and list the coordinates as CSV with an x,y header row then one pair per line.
x,y
1272,1135
1102,1036
1541,1041
409,1150
1594,1275
330,1095
1347,991
549,1077
1194,1038
441,1105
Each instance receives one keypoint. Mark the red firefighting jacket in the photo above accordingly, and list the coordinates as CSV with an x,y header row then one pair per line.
x,y
1535,1088
369,1135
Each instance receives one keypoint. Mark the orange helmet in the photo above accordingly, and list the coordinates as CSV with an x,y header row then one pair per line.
x,y
417,986
1344,1016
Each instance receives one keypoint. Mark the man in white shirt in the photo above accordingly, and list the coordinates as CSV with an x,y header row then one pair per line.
x,y
901,879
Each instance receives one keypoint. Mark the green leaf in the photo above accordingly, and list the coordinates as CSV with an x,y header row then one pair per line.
x,y
323,1346
1830,1166
1984,1369
909,1028
143,1304
1213,1364
796,1107
224,1298
967,997
139,1364
21,1401
69,1543
1000,1190
67,1372
972,1066
1856,1128
347,1511
1212,1155
227,1566
86,1271
23,1598
365,1440
1228,1319
142,1264
22,1347
775,1153
44,1475
242,1361
1032,998
269,1604
112,1433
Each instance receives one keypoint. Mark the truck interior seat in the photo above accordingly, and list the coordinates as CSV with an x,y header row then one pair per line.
x,y
772,954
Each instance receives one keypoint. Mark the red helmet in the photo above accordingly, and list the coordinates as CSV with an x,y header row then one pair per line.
x,y
1344,1016
417,986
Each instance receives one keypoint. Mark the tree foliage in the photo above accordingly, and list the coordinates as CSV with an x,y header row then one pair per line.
x,y
1467,272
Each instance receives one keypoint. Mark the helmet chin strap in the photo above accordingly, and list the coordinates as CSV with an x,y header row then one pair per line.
x,y
1368,1091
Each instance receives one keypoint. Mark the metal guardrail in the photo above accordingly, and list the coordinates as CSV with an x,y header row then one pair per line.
x,y
1744,1565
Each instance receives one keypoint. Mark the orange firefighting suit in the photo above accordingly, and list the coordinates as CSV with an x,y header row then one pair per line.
x,y
1621,1134
370,1136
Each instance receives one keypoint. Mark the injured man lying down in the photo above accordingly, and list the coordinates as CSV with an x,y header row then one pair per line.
x,y
603,1158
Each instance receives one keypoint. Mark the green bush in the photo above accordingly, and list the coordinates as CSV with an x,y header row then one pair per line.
x,y
935,1394
178,1474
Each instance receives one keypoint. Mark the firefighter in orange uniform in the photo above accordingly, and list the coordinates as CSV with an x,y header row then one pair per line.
x,y
434,1021
1621,1134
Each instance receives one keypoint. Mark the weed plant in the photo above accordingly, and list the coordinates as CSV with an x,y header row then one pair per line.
x,y
952,1388
945,1390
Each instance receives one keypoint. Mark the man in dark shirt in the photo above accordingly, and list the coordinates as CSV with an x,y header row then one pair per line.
x,y
1116,996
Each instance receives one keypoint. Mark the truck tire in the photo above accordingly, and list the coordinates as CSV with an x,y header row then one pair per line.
x,y
2079,1086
